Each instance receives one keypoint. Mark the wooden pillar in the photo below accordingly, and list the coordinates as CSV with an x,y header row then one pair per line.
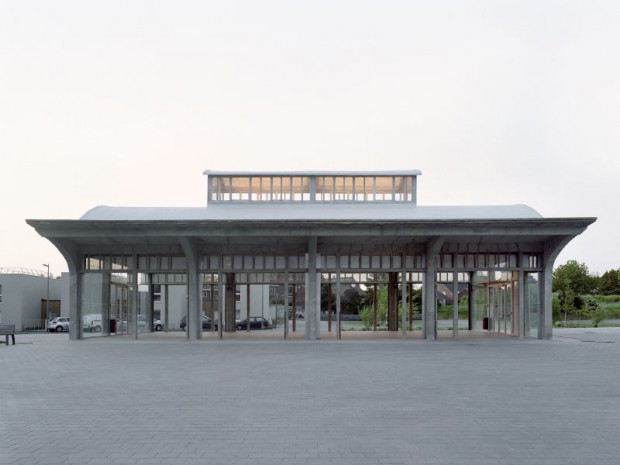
x,y
393,302
374,306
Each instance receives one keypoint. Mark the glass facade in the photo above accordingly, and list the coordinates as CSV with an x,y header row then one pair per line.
x,y
532,305
486,288
95,304
311,188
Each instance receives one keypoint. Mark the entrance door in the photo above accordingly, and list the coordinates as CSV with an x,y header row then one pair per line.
x,y
119,308
501,310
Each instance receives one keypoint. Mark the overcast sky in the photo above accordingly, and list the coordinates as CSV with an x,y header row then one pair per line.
x,y
127,102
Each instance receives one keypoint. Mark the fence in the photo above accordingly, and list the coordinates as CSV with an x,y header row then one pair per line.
x,y
33,324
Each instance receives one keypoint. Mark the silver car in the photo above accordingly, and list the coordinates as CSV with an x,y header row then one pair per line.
x,y
59,324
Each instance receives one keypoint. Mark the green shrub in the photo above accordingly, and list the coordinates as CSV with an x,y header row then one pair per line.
x,y
367,315
607,298
597,316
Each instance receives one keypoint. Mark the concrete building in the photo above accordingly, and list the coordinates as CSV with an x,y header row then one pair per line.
x,y
24,298
305,230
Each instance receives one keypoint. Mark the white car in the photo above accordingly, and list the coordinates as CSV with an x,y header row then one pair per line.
x,y
59,324
157,324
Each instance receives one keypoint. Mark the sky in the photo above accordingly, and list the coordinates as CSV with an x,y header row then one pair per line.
x,y
126,103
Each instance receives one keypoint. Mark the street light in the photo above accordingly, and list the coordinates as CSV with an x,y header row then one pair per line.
x,y
47,302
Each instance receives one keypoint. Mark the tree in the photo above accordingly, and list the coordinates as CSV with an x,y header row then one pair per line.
x,y
574,276
609,283
570,282
350,298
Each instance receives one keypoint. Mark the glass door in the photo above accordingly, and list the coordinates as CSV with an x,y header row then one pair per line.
x,y
119,304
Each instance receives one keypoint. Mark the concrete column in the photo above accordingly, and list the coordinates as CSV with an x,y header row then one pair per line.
x,y
392,312
230,309
403,305
430,280
338,303
552,249
329,304
75,306
521,298
106,302
374,306
220,303
135,303
313,292
286,286
194,290
72,257
247,306
545,326
455,305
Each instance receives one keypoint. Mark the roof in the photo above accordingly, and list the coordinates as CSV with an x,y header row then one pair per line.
x,y
314,173
312,212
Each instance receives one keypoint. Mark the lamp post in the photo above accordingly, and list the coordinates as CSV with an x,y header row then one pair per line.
x,y
47,302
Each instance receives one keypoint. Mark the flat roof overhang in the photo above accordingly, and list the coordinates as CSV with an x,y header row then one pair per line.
x,y
291,236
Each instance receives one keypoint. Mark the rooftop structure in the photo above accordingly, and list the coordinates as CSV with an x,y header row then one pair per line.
x,y
312,187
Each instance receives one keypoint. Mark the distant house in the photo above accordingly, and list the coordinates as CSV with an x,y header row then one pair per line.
x,y
24,298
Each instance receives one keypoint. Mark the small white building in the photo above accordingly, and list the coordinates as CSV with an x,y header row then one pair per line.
x,y
24,298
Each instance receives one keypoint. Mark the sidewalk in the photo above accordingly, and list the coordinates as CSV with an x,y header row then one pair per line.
x,y
171,401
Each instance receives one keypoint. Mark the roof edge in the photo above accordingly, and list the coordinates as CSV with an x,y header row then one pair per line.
x,y
313,173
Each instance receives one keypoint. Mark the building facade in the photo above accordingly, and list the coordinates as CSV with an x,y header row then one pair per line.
x,y
305,230
24,298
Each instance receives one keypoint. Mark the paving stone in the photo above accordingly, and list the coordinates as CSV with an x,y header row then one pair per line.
x,y
173,401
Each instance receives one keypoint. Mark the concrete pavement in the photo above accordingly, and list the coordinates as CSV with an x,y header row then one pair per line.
x,y
171,401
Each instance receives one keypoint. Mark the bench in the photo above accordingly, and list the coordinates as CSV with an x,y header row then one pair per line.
x,y
6,331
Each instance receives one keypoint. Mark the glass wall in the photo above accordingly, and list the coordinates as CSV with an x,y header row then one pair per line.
x,y
145,312
107,301
259,188
312,188
495,302
94,304
502,302
480,301
532,304
121,318
448,324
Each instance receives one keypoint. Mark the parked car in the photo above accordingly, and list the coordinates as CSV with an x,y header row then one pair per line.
x,y
206,323
59,324
157,324
256,322
92,323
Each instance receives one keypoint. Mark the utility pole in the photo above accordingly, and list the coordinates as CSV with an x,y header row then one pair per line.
x,y
47,301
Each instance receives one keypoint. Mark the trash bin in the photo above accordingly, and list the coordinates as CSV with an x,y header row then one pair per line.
x,y
112,326
485,323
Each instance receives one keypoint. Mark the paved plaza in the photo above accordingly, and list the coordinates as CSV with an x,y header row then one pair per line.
x,y
165,400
